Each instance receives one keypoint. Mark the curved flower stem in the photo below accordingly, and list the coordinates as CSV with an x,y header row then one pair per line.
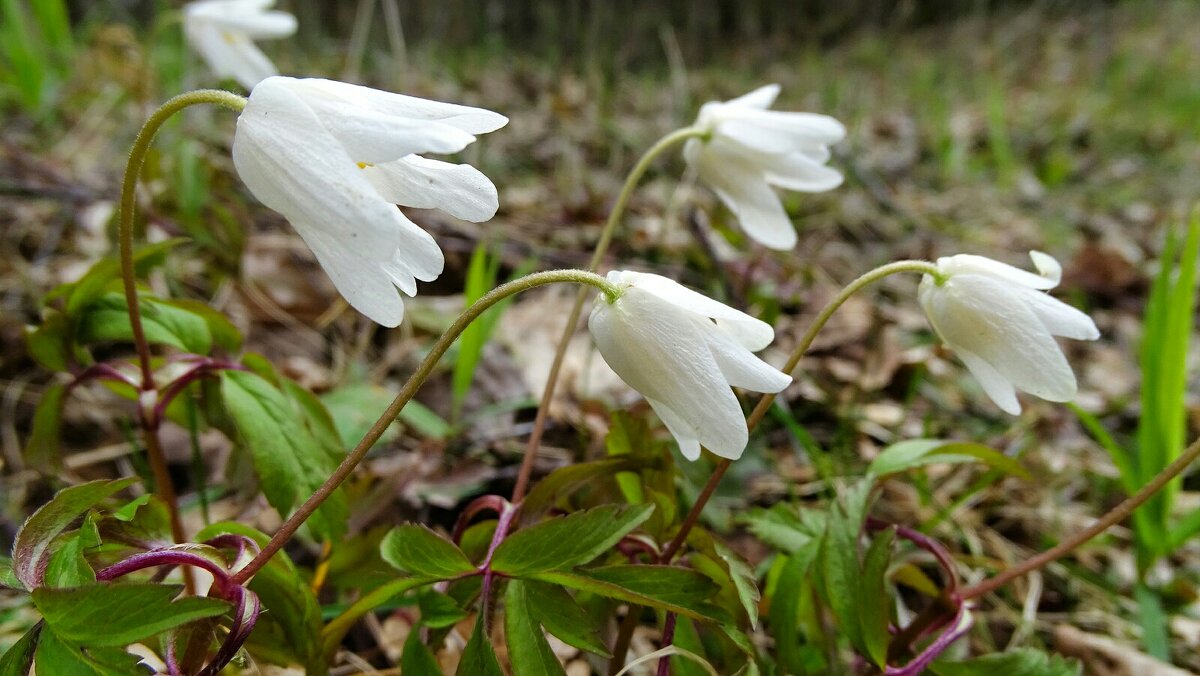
x,y
764,403
128,204
1116,515
606,235
133,169
407,392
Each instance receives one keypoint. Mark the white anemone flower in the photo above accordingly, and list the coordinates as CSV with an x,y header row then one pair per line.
x,y
749,149
334,158
223,31
683,351
1001,323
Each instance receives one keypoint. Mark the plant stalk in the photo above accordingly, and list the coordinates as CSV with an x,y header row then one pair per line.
x,y
1113,517
407,392
606,235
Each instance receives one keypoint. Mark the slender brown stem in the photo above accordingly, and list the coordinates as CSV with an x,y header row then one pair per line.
x,y
407,392
606,235
166,492
624,638
1115,516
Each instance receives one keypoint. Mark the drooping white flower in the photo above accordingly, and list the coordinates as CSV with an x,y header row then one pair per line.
x,y
683,351
1001,323
334,158
751,149
223,31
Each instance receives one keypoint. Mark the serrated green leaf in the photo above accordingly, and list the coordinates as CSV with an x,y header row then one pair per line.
x,y
43,450
913,453
675,589
876,610
18,659
31,550
745,582
119,614
56,655
839,568
783,615
1013,662
438,610
355,408
478,658
7,578
225,336
563,617
107,319
567,541
780,527
528,650
416,658
68,567
416,549
291,461
97,279
563,481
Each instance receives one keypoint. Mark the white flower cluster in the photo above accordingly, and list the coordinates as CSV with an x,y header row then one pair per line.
x,y
337,159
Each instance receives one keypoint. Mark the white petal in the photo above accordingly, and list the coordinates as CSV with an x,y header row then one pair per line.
x,y
679,428
458,189
746,193
247,64
1047,266
465,118
1058,317
762,98
994,385
968,264
774,131
750,332
360,280
264,26
370,136
741,368
797,172
657,349
313,180
980,314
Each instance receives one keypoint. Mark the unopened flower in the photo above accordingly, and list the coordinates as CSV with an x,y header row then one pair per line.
x,y
749,149
1001,323
683,351
334,158
223,31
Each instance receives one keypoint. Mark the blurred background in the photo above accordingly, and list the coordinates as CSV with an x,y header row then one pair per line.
x,y
981,127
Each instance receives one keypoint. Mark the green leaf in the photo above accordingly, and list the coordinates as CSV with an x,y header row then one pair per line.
x,y
779,526
285,444
225,336
18,660
554,608
97,279
354,409
7,578
480,278
56,655
43,450
119,614
50,343
331,635
839,569
876,610
1154,621
675,589
31,550
528,650
416,549
425,421
745,582
107,319
567,541
1012,662
68,567
478,658
913,453
417,658
438,610
566,480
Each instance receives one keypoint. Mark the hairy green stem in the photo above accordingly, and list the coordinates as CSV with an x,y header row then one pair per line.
x,y
407,392
1113,517
606,235
128,205
764,403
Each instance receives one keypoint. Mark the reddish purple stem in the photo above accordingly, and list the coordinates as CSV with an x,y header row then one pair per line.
x,y
958,628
